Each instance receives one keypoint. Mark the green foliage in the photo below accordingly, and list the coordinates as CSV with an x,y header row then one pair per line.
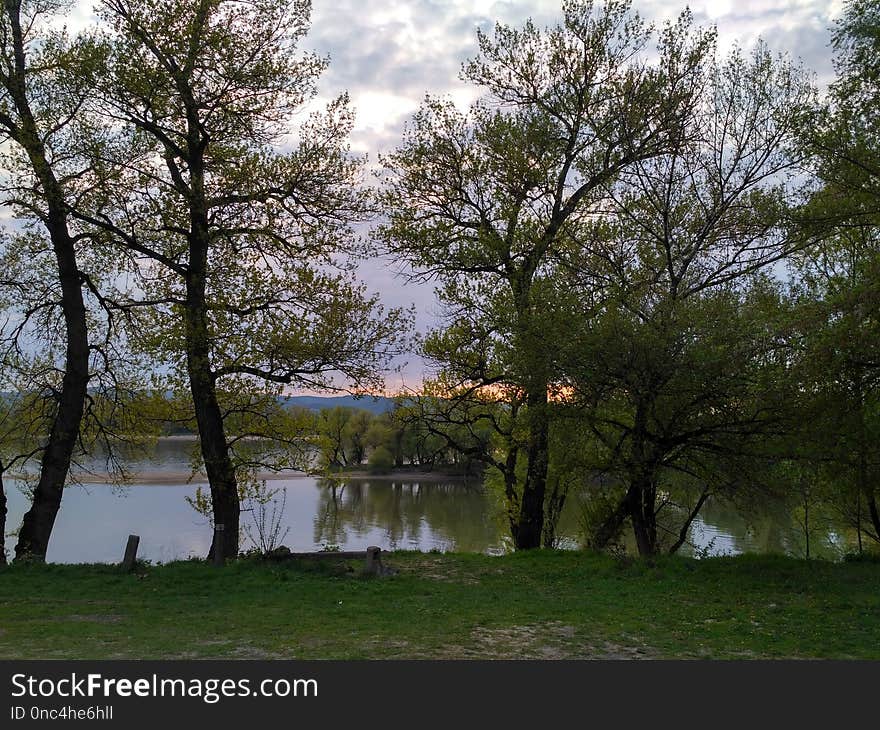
x,y
381,460
600,225
493,201
234,226
675,363
281,305
834,337
355,434
841,138
331,425
835,305
412,433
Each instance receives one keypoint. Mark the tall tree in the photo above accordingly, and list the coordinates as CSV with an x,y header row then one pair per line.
x,y
837,367
839,279
483,202
675,372
232,240
40,98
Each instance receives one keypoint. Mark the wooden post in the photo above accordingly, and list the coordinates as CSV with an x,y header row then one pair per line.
x,y
131,549
373,565
218,545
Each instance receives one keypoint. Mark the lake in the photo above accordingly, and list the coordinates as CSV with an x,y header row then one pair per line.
x,y
96,519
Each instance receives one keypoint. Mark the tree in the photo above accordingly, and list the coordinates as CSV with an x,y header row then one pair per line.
x,y
20,422
40,102
331,425
678,366
381,460
232,242
355,434
842,137
837,368
839,278
682,405
484,202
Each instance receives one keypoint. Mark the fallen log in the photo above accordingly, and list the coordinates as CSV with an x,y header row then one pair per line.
x,y
371,557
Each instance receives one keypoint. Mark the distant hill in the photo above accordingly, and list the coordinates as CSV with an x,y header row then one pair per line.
x,y
374,404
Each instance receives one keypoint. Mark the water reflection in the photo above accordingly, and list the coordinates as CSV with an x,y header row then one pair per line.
x,y
95,521
725,529
446,516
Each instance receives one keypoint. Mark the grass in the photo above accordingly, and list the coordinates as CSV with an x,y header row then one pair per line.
x,y
539,604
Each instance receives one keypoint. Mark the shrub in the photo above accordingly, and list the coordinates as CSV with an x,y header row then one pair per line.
x,y
381,460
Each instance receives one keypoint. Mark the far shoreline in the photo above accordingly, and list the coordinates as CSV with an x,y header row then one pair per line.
x,y
163,477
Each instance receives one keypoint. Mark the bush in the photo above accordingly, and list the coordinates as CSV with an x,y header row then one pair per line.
x,y
381,460
865,557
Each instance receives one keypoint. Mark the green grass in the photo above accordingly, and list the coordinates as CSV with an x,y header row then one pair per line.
x,y
539,604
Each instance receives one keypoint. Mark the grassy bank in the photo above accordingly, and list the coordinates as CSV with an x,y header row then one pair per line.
x,y
536,605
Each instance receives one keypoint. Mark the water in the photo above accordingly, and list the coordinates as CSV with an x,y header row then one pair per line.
x,y
95,520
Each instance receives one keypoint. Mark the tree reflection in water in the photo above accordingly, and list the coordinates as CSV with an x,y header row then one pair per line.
x,y
458,515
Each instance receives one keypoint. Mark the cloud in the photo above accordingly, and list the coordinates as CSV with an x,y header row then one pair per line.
x,y
388,54
798,28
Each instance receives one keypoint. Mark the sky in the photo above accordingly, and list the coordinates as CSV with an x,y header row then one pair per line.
x,y
387,54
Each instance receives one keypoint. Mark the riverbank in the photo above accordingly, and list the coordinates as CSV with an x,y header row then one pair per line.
x,y
401,475
180,476
542,604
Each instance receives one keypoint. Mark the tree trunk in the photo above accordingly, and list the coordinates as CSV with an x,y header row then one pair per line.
x,y
807,524
2,519
644,524
874,512
611,527
642,498
212,434
531,516
511,497
555,505
859,520
209,417
642,493
36,527
864,485
682,534
397,445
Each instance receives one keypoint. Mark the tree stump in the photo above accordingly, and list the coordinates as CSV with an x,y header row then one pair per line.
x,y
131,549
373,565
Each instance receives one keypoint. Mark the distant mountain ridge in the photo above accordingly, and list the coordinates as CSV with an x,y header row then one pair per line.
x,y
373,404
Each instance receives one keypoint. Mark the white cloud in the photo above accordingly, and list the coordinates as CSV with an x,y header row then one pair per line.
x,y
388,54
